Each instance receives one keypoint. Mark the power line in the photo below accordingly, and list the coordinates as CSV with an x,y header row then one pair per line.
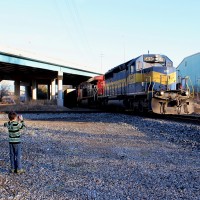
x,y
78,26
66,25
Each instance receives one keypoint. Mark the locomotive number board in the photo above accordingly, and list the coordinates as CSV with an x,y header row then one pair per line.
x,y
153,58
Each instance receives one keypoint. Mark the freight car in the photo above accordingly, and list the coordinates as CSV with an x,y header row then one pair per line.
x,y
146,83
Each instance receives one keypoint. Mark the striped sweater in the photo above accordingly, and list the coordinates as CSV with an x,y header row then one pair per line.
x,y
14,128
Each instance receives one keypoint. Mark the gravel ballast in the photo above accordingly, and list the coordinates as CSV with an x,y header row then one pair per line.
x,y
102,156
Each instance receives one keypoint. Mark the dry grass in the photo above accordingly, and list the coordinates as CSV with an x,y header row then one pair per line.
x,y
39,105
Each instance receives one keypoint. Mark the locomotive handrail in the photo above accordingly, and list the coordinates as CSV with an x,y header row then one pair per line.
x,y
148,90
167,83
188,87
152,88
147,82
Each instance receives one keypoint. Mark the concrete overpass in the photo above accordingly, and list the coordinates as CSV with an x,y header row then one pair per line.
x,y
30,72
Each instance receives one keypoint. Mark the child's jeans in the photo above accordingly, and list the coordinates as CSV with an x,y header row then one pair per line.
x,y
15,156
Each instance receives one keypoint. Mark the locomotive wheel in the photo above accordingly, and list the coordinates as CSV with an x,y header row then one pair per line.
x,y
156,105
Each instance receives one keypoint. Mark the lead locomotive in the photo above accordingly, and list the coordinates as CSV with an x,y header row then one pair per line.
x,y
146,83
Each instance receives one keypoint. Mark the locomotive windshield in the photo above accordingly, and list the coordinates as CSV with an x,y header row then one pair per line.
x,y
153,59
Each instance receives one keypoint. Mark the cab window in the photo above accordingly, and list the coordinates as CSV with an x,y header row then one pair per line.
x,y
132,68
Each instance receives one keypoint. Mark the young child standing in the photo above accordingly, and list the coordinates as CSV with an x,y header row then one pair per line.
x,y
14,125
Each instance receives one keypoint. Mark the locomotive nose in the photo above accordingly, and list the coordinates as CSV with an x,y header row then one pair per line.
x,y
172,105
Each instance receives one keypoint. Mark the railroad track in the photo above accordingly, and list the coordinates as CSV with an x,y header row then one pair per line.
x,y
190,119
193,119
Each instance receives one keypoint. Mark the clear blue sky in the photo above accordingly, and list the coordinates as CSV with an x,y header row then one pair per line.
x,y
100,34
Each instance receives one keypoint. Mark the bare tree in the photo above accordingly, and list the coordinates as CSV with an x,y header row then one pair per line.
x,y
4,90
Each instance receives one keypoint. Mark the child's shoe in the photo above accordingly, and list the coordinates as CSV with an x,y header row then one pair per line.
x,y
20,171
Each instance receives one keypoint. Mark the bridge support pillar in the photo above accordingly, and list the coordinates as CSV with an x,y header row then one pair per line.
x,y
27,93
48,91
34,90
17,91
60,88
53,89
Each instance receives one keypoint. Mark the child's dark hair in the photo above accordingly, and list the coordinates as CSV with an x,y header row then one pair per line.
x,y
12,115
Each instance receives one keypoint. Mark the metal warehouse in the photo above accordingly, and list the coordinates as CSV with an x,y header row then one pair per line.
x,y
190,66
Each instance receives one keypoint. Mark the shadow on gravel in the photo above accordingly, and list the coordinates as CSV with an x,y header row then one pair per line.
x,y
174,132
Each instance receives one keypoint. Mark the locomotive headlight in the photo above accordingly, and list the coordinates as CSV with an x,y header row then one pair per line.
x,y
186,93
161,93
